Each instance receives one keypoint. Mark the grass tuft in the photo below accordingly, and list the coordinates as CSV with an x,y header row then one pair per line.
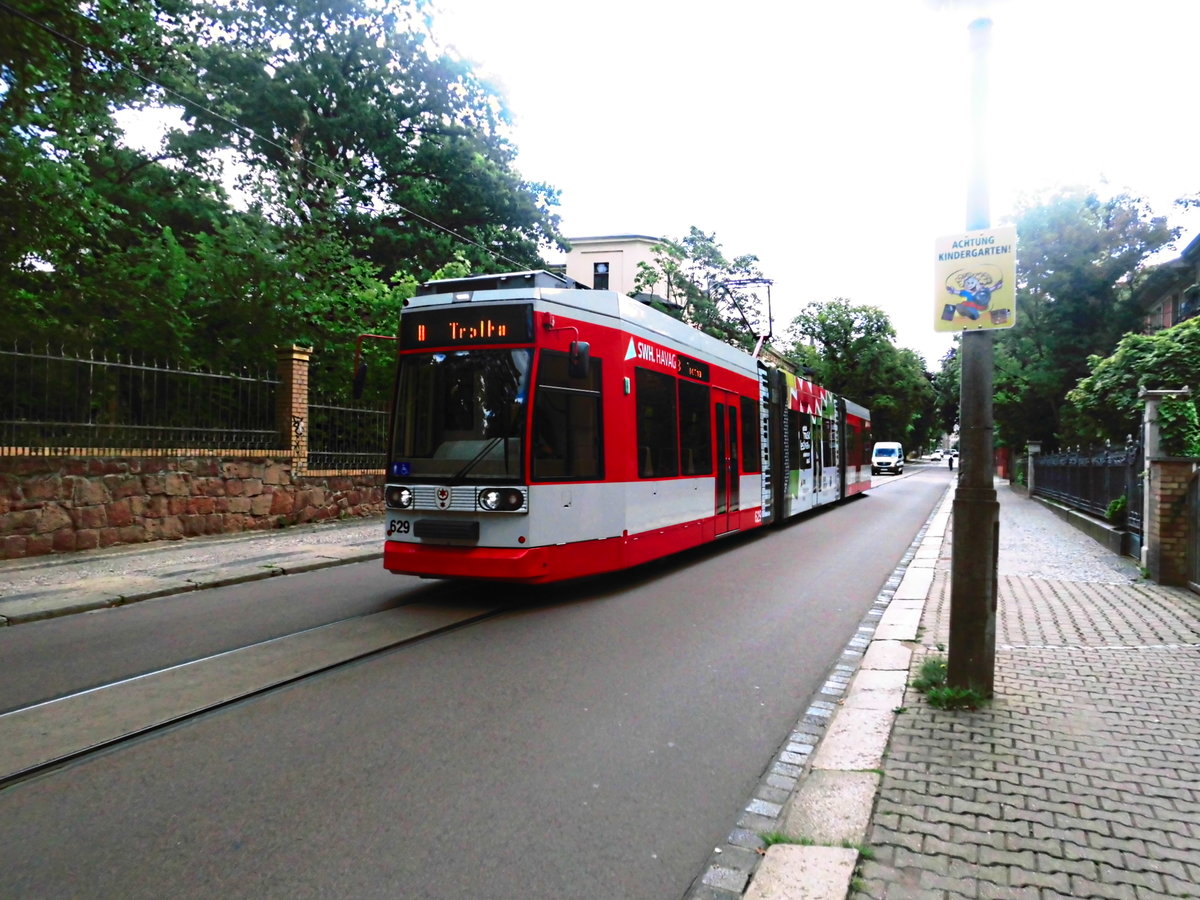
x,y
931,681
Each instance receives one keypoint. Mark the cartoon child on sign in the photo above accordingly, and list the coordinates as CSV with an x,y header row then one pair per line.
x,y
975,287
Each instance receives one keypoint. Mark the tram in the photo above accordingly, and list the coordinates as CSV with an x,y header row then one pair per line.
x,y
543,431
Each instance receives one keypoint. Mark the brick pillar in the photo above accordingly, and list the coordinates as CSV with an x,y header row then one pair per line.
x,y
292,403
1167,529
1151,449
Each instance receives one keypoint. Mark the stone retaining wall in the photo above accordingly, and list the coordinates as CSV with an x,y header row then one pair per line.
x,y
55,504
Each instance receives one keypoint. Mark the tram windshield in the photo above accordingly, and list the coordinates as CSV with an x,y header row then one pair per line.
x,y
460,414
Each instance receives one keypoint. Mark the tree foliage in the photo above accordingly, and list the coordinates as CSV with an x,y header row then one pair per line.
x,y
947,387
852,352
707,290
61,73
333,156
1078,265
1105,404
345,115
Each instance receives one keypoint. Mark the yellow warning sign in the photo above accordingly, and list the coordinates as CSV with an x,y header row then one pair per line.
x,y
975,280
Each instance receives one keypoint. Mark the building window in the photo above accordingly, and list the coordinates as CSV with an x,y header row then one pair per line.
x,y
600,276
1190,304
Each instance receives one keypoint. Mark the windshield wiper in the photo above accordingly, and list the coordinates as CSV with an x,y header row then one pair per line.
x,y
474,460
487,448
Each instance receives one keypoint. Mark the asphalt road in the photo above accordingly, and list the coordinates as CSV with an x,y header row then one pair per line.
x,y
590,740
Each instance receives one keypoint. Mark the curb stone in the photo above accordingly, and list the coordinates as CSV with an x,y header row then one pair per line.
x,y
50,587
739,868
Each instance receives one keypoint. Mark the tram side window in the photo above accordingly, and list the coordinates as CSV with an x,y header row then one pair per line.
x,y
751,442
854,448
657,422
829,444
566,421
802,440
695,428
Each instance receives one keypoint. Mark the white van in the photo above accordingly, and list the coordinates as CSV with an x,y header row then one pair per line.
x,y
887,456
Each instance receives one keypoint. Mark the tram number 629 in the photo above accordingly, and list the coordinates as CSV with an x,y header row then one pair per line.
x,y
398,526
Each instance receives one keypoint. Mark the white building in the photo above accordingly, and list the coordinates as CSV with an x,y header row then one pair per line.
x,y
609,262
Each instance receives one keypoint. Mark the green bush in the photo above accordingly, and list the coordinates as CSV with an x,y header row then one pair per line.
x,y
1117,511
1178,427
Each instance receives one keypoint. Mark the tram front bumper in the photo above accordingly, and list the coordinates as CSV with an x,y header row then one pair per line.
x,y
530,564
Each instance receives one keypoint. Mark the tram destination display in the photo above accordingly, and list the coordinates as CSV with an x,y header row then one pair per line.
x,y
466,324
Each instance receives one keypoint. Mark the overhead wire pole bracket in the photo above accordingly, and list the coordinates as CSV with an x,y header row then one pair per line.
x,y
762,338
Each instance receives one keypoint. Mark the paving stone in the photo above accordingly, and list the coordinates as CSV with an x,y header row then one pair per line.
x,y
994,891
725,879
1041,846
756,823
1083,887
966,887
887,655
708,892
741,837
921,862
1178,887
791,872
1149,880
832,807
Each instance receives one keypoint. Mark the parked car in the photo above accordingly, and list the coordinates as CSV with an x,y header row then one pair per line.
x,y
936,455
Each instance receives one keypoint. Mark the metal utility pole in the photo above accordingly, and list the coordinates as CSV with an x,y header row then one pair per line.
x,y
976,524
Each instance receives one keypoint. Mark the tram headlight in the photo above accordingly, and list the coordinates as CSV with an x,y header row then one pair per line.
x,y
398,496
501,499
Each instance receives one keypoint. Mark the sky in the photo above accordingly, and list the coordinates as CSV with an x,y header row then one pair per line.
x,y
831,138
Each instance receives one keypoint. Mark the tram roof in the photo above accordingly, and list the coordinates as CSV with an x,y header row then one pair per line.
x,y
532,278
555,288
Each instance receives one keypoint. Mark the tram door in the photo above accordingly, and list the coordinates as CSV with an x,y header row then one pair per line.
x,y
728,477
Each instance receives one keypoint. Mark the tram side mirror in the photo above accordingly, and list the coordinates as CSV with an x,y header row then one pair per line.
x,y
579,359
360,380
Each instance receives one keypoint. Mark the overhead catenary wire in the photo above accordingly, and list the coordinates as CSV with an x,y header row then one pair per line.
x,y
250,132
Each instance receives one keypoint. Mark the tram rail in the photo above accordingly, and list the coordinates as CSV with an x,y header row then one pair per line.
x,y
46,735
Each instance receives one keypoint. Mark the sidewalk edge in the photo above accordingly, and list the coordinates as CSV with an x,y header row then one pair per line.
x,y
733,870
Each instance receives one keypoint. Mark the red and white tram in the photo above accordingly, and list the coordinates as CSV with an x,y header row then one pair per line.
x,y
545,431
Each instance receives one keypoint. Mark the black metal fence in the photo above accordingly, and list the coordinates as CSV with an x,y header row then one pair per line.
x,y
53,399
346,437
1107,482
57,400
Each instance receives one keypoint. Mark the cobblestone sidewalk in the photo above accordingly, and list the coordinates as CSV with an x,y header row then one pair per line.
x,y
1082,777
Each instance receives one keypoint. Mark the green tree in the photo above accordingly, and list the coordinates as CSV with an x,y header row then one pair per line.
x,y
947,383
63,68
367,161
851,351
706,289
349,121
1104,405
1078,261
